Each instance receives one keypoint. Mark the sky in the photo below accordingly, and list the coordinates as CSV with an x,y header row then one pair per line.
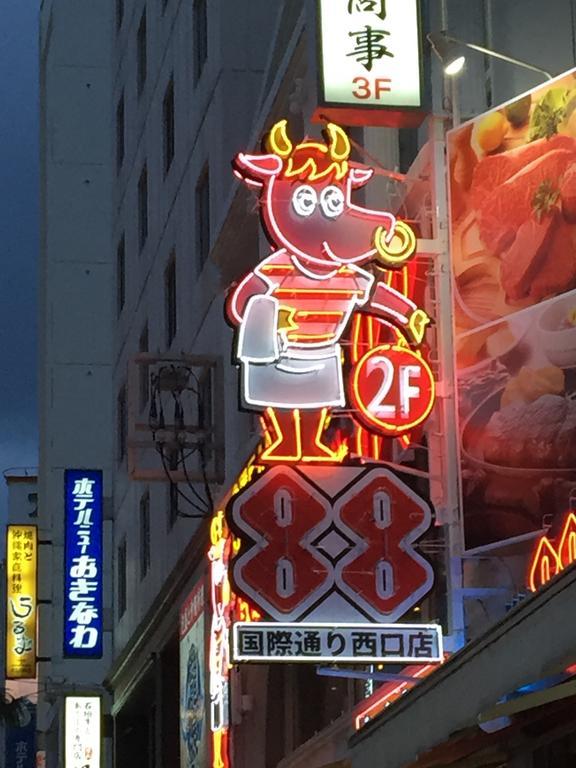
x,y
19,228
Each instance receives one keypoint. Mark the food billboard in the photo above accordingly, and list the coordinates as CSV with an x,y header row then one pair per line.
x,y
512,183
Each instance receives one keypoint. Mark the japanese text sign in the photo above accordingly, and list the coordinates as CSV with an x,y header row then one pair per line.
x,y
83,564
82,732
393,643
21,577
370,57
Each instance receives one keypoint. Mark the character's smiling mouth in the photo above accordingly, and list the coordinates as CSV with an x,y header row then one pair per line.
x,y
327,251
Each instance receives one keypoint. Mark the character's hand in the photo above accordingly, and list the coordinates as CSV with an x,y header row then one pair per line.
x,y
417,325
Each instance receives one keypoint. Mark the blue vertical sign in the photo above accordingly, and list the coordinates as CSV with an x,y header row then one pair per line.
x,y
20,745
83,563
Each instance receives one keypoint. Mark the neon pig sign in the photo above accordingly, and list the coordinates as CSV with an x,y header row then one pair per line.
x,y
292,312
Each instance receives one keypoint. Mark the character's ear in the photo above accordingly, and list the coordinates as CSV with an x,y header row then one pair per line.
x,y
278,141
337,141
360,176
256,168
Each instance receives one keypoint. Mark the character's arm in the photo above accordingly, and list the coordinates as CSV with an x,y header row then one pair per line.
x,y
392,305
238,297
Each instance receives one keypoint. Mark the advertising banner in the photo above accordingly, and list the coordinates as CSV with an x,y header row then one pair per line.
x,y
21,581
83,564
513,241
193,723
21,741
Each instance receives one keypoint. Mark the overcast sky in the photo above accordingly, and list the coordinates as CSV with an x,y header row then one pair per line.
x,y
19,233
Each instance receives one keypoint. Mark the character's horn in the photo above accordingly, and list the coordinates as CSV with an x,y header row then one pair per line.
x,y
338,142
277,140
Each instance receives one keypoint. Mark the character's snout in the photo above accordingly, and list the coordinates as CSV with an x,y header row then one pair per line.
x,y
394,247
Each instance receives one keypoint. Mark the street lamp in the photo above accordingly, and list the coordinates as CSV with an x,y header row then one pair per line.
x,y
450,51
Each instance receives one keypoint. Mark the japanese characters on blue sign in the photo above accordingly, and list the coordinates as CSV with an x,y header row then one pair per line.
x,y
83,563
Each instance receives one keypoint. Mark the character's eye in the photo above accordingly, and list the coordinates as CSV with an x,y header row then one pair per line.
x,y
332,202
304,200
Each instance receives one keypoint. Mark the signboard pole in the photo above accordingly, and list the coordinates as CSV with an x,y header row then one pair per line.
x,y
445,491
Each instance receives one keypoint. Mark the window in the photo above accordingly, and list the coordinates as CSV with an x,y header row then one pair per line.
x,y
144,534
121,275
203,217
141,53
119,13
408,147
120,132
170,300
205,402
168,125
122,424
200,37
121,565
172,504
143,208
143,371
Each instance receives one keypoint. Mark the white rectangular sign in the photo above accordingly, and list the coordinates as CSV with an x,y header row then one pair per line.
x,y
393,643
370,53
82,732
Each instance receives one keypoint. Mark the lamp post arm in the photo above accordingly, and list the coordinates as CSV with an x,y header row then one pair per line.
x,y
503,57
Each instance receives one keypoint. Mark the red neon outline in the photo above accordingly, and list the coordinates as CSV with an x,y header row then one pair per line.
x,y
568,538
325,453
381,699
546,554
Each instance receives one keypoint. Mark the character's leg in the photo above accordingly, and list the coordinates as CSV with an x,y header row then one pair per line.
x,y
313,425
284,432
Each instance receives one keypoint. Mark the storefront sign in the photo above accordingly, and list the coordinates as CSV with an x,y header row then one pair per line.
x,y
369,62
192,681
513,223
328,322
360,643
82,732
83,568
551,556
21,581
338,545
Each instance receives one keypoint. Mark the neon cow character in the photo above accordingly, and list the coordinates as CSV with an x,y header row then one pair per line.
x,y
292,310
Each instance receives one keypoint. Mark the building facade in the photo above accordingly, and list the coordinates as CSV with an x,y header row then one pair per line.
x,y
75,332
137,381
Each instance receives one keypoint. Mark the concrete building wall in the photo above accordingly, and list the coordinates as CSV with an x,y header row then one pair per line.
x,y
75,324
214,116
